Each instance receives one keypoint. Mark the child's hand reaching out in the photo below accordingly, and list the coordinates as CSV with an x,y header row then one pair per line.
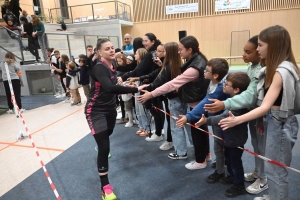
x,y
182,120
201,122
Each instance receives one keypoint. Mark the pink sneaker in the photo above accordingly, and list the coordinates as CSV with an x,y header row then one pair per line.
x,y
107,193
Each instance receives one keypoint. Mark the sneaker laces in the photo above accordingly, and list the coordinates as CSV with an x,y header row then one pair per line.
x,y
256,184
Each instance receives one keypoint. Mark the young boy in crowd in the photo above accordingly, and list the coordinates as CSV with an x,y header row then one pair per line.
x,y
72,84
234,137
84,77
215,71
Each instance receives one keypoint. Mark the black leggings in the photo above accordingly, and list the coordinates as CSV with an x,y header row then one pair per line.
x,y
16,84
121,102
200,142
62,83
159,118
33,48
102,140
169,135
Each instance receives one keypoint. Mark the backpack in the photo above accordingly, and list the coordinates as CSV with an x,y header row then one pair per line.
x,y
287,65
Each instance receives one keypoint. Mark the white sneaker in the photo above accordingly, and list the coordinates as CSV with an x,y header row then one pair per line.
x,y
22,110
264,197
10,111
136,122
59,96
128,124
166,146
154,138
194,165
56,94
258,186
249,177
208,157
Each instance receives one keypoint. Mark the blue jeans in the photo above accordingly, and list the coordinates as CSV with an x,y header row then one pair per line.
x,y
259,146
281,137
178,135
234,162
144,119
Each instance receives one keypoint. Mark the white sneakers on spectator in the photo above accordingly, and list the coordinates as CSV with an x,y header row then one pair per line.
x,y
10,111
194,165
128,124
136,122
264,197
166,146
258,186
59,96
249,177
154,138
56,94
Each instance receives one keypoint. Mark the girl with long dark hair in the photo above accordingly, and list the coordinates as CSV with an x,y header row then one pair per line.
x,y
192,88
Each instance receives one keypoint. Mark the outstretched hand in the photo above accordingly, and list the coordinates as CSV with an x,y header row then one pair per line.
x,y
228,122
216,106
145,97
182,120
120,81
201,122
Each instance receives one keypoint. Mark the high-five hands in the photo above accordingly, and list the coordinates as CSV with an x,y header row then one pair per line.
x,y
201,121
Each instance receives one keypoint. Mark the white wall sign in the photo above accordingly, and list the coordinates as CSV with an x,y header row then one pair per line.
x,y
225,5
182,8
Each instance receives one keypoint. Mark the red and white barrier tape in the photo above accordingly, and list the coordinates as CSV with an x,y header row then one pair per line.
x,y
19,114
244,149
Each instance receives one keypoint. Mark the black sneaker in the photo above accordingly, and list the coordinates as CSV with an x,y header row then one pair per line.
x,y
215,177
214,164
175,156
235,191
228,180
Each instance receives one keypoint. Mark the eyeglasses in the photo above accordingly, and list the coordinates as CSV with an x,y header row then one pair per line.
x,y
207,71
225,84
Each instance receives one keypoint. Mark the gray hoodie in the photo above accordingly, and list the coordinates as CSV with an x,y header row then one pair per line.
x,y
289,79
13,69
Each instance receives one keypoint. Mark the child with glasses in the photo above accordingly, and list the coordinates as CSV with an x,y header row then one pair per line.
x,y
234,137
215,71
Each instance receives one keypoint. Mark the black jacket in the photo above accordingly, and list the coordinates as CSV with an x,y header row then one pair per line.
x,y
127,67
3,9
194,91
62,66
14,6
235,136
162,77
33,42
145,67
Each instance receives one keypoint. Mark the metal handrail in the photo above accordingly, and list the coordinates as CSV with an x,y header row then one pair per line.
x,y
92,6
10,51
9,30
19,38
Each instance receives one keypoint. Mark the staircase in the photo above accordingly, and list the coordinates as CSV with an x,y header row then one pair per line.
x,y
13,46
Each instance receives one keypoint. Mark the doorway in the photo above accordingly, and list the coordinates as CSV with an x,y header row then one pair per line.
x,y
64,9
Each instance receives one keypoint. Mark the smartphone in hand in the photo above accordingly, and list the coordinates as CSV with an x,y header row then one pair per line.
x,y
154,55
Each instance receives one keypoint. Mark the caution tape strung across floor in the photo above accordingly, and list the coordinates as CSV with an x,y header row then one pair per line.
x,y
244,149
20,116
